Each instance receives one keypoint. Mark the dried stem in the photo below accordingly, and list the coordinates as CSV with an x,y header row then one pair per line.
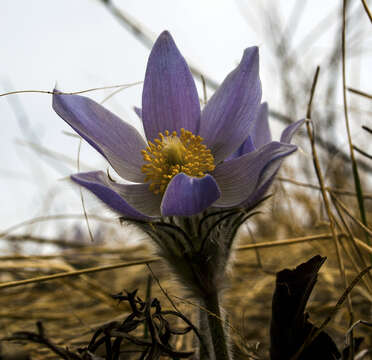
x,y
358,186
262,245
329,189
76,273
323,190
70,93
361,93
364,2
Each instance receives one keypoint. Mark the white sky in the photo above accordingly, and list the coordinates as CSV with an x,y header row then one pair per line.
x,y
80,45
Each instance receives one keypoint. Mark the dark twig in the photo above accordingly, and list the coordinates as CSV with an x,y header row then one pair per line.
x,y
366,128
39,337
362,93
162,289
360,151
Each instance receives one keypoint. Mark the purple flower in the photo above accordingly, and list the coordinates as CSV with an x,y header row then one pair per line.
x,y
222,156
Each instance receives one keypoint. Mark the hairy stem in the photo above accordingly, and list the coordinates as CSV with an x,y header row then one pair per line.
x,y
205,352
216,327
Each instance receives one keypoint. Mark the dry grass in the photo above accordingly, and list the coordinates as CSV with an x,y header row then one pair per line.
x,y
73,307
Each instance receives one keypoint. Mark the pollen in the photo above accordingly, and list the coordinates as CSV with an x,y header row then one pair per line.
x,y
171,154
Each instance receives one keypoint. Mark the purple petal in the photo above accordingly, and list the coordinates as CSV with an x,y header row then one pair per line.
x,y
260,130
187,195
272,169
117,141
244,148
138,111
227,117
264,182
290,130
239,178
169,100
132,200
258,194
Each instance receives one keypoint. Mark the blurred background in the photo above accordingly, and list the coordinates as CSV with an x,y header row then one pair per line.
x,y
89,44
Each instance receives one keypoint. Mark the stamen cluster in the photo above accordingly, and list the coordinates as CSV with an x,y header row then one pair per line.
x,y
171,154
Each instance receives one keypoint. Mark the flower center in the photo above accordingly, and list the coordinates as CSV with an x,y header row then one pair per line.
x,y
171,154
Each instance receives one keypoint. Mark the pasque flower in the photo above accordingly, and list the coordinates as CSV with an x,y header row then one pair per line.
x,y
222,156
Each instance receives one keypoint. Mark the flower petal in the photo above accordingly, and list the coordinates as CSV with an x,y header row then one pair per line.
x,y
138,111
186,195
258,194
239,178
290,130
169,100
271,170
264,182
132,200
244,148
119,142
260,130
227,117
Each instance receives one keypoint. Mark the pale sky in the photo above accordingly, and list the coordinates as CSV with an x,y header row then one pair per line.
x,y
80,45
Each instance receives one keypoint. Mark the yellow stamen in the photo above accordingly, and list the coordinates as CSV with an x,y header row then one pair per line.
x,y
172,154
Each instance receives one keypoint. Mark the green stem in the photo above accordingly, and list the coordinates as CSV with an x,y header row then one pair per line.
x,y
216,328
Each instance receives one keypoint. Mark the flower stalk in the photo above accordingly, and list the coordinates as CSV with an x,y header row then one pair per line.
x,y
197,249
205,352
216,328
